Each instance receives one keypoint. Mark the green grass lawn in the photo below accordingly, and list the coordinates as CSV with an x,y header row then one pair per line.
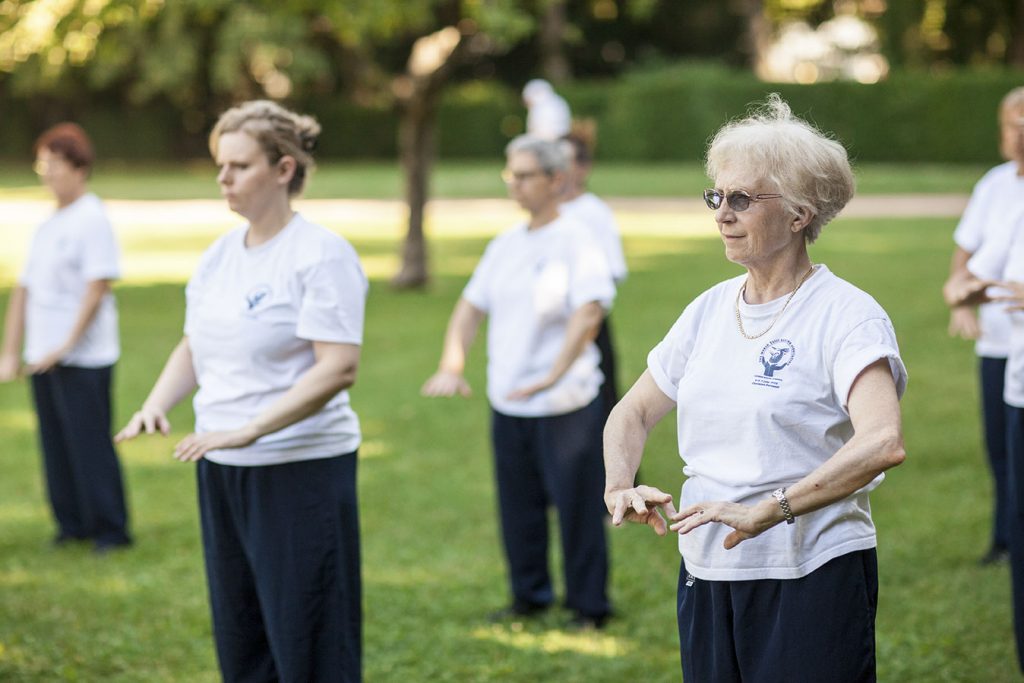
x,y
432,559
459,179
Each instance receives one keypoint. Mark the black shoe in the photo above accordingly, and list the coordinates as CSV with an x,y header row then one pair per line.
x,y
995,555
585,622
107,547
517,610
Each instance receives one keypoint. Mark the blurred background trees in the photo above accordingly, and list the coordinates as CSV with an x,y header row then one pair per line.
x,y
402,78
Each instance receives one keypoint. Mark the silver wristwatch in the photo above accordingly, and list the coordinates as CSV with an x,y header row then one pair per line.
x,y
780,495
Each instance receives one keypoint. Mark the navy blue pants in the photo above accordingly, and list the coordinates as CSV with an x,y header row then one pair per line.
x,y
282,562
83,475
610,388
820,627
1015,498
992,372
542,461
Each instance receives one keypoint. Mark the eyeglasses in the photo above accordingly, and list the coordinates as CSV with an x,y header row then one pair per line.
x,y
738,199
510,177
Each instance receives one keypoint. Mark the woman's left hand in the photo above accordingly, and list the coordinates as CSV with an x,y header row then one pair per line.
x,y
195,446
743,519
47,362
526,392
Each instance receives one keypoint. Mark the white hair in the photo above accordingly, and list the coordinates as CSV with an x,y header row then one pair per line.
x,y
810,170
537,89
552,155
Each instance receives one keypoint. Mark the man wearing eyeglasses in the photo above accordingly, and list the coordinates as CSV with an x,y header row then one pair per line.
x,y
545,286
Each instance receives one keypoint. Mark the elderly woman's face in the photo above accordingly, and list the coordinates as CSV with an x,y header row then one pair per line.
x,y
760,233
528,184
1011,134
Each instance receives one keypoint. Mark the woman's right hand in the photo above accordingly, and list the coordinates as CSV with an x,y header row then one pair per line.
x,y
640,504
148,420
963,323
444,383
10,366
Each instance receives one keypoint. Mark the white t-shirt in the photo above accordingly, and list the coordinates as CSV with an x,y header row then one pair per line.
x,y
530,282
997,196
757,414
1001,257
251,318
72,248
592,212
548,117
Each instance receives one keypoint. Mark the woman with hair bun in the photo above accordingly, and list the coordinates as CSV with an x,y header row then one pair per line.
x,y
273,330
64,312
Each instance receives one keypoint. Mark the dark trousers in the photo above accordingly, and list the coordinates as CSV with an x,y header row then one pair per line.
x,y
610,387
83,475
820,627
1015,498
282,562
992,372
542,461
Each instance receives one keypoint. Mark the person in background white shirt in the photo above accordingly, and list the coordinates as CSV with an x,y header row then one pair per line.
x,y
547,113
64,312
545,287
597,216
996,198
273,331
786,382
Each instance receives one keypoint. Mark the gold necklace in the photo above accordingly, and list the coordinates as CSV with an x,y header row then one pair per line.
x,y
739,318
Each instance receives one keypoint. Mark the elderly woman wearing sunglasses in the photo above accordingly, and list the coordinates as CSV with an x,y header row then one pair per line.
x,y
786,382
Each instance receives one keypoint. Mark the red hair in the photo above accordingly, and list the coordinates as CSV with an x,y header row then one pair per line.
x,y
70,141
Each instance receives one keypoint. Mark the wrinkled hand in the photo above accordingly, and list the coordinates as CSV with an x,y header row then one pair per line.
x,y
10,366
443,383
966,290
1014,296
195,446
523,393
145,420
47,362
743,520
963,323
640,504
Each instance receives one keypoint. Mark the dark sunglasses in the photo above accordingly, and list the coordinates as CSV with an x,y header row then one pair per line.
x,y
738,199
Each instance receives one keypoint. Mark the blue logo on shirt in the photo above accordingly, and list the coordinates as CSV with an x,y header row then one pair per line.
x,y
256,296
775,356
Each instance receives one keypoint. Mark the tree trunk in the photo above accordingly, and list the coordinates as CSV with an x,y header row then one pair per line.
x,y
416,142
757,39
554,65
418,92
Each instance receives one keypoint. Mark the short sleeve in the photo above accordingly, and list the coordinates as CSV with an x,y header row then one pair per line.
x,y
100,253
869,341
667,361
591,278
969,233
477,289
333,301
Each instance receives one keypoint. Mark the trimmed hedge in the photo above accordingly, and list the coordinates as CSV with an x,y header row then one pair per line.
x,y
663,114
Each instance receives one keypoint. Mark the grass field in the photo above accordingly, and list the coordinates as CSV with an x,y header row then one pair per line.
x,y
382,180
432,559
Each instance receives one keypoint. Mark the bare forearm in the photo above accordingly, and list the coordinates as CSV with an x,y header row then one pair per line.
x,y
625,436
853,466
458,338
176,381
14,322
87,310
958,262
306,397
581,330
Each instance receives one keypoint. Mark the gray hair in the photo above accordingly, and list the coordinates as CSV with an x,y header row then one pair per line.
x,y
811,170
551,155
1013,100
279,132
